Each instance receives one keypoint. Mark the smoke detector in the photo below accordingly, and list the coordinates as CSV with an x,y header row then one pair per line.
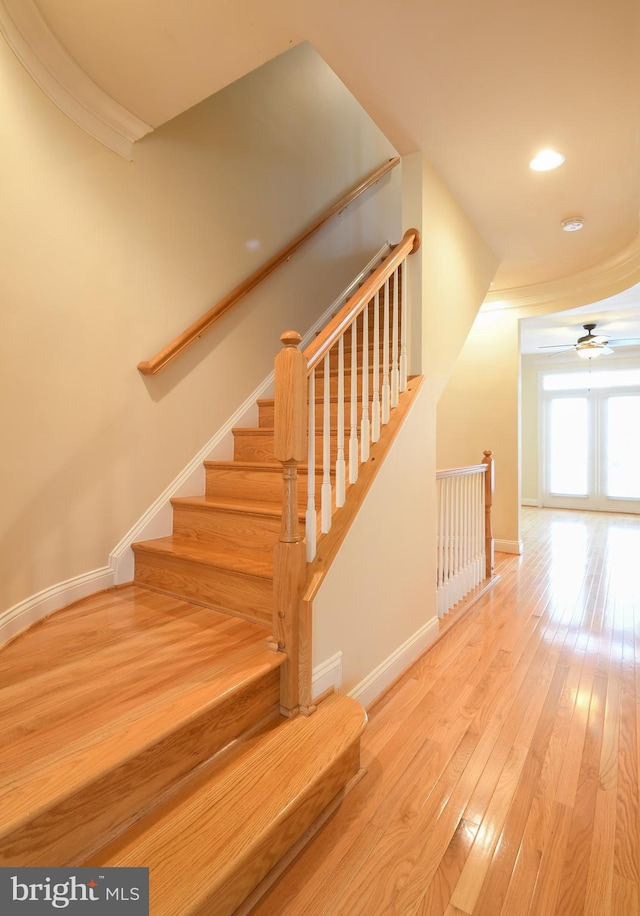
x,y
572,224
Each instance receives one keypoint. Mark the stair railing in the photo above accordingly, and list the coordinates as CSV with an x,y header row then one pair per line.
x,y
464,534
347,380
194,331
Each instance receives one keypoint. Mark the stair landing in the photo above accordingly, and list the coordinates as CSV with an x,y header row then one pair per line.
x,y
108,705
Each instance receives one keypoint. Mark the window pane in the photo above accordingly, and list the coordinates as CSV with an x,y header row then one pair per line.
x,y
623,447
568,447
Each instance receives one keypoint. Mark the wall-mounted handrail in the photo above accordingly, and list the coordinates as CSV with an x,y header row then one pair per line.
x,y
165,356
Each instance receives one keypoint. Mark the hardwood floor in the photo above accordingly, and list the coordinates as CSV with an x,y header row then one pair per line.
x,y
503,774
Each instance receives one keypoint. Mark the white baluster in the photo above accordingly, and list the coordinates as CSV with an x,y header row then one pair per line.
x,y
440,549
365,429
404,359
447,540
340,461
386,385
375,398
311,521
353,438
326,494
395,371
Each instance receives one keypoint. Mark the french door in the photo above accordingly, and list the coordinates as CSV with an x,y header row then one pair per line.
x,y
592,450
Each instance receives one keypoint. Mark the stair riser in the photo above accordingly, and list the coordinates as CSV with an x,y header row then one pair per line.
x,y
228,529
249,446
267,413
252,484
248,596
225,897
65,833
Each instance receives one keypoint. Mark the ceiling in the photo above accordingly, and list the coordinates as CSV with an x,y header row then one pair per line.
x,y
479,87
617,317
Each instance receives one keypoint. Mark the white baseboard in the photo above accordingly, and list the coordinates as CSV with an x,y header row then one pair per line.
x,y
327,675
33,609
385,674
508,546
530,502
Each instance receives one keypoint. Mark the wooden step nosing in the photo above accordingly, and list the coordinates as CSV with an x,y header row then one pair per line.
x,y
257,773
273,510
142,547
81,752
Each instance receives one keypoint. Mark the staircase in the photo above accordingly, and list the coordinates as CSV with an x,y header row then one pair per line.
x,y
144,726
188,768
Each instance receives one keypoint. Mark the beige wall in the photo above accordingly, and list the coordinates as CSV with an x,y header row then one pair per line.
x,y
380,589
104,261
479,410
455,268
529,432
379,595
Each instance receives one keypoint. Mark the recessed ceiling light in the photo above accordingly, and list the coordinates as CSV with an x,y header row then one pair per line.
x,y
546,160
572,224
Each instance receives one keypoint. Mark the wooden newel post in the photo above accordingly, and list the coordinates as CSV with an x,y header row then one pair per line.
x,y
488,503
289,567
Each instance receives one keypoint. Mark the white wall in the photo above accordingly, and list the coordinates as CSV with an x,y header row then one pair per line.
x,y
103,262
378,603
378,593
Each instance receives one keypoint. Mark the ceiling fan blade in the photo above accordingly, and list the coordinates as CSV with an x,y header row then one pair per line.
x,y
556,346
560,352
625,342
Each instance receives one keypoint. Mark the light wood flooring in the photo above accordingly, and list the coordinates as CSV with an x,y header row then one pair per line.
x,y
503,775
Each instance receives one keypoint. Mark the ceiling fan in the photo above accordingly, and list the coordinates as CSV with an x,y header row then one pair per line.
x,y
591,345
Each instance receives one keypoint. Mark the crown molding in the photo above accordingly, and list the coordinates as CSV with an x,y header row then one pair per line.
x,y
614,275
64,82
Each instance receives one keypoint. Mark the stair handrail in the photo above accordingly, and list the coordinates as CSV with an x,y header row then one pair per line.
x,y
294,438
355,305
195,330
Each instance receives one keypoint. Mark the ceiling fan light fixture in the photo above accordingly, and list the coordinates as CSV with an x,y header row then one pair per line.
x,y
590,352
546,160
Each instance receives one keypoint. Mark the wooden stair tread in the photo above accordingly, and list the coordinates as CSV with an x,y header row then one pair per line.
x,y
231,504
122,618
258,563
221,829
79,754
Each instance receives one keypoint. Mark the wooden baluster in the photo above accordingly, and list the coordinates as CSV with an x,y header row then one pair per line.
x,y
375,397
353,439
311,518
488,503
340,460
326,492
365,429
289,567
386,384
